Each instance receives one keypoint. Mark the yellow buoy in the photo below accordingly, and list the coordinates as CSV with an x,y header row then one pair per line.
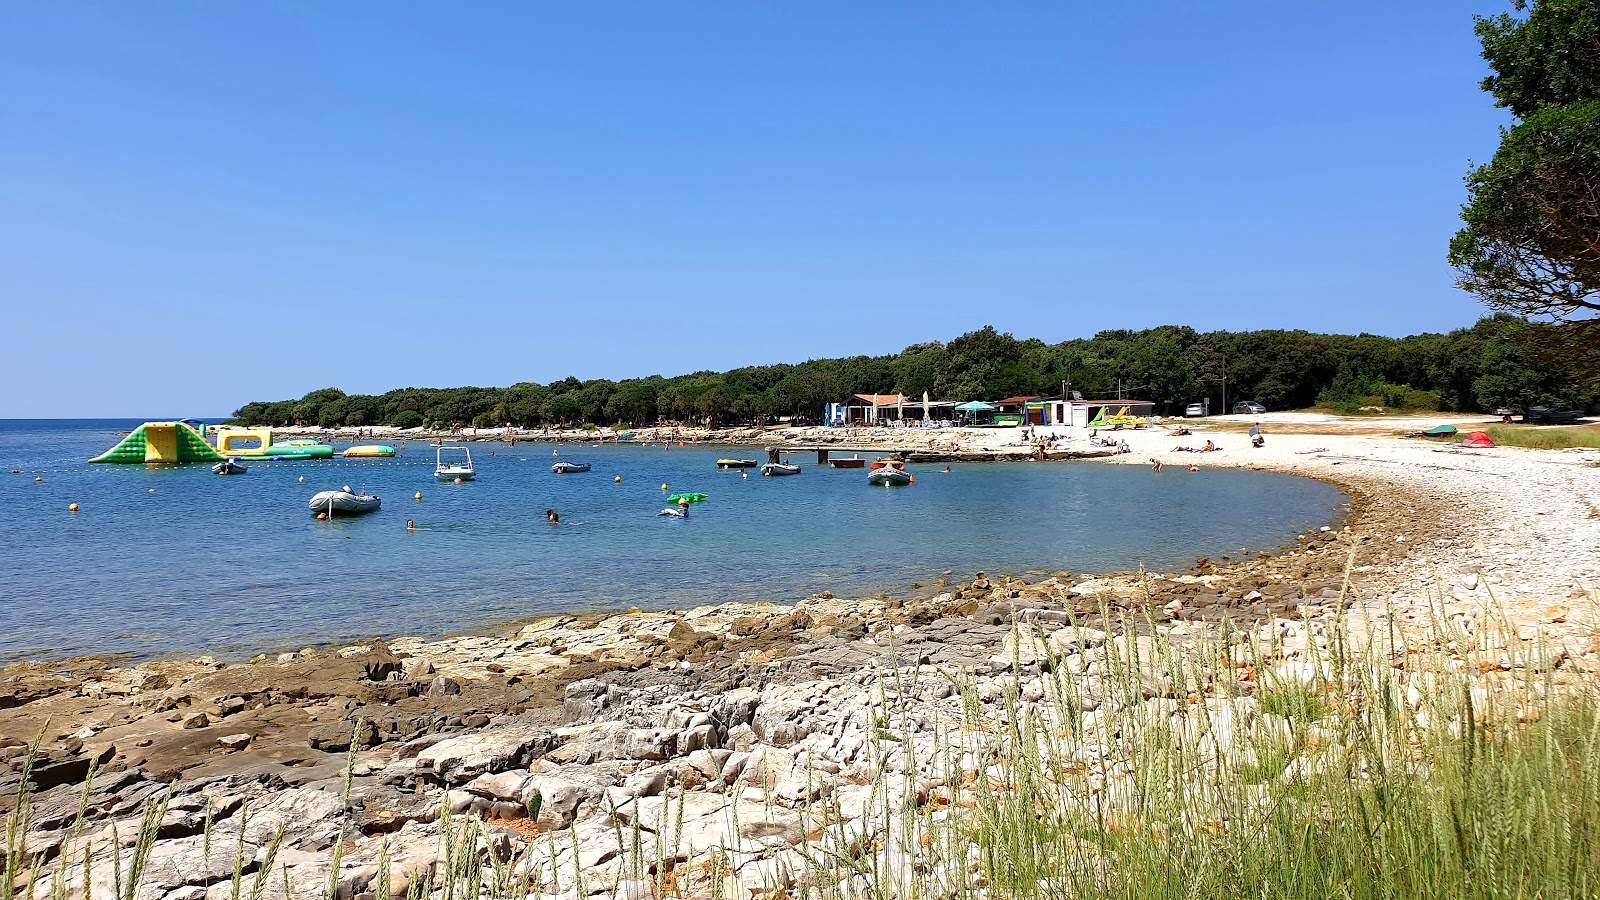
x,y
72,508
419,495
41,478
618,479
302,479
663,486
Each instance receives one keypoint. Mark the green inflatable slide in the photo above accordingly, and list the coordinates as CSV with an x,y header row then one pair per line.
x,y
161,442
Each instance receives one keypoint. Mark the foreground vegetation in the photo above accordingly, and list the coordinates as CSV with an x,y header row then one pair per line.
x,y
1544,438
1462,765
1500,361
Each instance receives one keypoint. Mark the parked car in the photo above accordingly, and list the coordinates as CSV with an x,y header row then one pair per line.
x,y
1194,410
1248,408
1549,415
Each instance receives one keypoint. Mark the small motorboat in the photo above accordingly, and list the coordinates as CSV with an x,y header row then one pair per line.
x,y
737,464
455,469
891,473
230,466
368,451
771,469
882,461
343,502
566,468
848,462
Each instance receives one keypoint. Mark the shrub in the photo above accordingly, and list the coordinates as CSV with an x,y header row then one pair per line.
x,y
406,418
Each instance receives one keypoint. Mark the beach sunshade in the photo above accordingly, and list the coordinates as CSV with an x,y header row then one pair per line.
x,y
976,406
1442,429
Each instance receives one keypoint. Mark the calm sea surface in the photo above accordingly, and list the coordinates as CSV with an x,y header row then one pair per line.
x,y
178,560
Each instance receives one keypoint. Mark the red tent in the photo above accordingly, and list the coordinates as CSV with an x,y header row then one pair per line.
x,y
1478,439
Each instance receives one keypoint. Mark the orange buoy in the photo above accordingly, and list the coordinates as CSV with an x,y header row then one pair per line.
x,y
458,481
322,517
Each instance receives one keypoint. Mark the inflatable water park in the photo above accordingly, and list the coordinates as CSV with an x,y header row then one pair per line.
x,y
158,443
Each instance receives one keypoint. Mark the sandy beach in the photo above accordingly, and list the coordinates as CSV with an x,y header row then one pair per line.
x,y
752,718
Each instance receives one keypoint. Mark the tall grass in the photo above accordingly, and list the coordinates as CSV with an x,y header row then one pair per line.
x,y
1543,437
1460,764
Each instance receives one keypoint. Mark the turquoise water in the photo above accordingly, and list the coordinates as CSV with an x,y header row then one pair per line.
x,y
177,560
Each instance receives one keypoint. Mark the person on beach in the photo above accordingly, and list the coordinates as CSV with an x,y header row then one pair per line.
x,y
1256,439
1155,465
1208,447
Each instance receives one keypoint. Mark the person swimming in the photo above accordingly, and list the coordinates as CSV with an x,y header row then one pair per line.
x,y
553,516
410,526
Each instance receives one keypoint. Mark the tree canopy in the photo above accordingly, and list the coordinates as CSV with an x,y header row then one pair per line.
x,y
1531,241
1500,361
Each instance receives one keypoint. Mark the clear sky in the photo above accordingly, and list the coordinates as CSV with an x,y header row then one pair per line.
x,y
207,203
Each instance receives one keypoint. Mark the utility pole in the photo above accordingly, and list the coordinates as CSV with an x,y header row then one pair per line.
x,y
1224,385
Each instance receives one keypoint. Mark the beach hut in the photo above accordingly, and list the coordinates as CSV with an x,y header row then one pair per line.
x,y
1020,411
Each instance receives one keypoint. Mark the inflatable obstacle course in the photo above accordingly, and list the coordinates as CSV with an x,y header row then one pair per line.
x,y
160,443
258,444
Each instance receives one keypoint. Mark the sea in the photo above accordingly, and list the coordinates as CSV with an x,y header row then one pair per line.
x,y
173,560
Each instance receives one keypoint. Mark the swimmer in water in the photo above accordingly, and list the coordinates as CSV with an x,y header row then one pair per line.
x,y
553,516
947,470
410,526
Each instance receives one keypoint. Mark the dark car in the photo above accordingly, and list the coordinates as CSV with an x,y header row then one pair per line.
x,y
1248,408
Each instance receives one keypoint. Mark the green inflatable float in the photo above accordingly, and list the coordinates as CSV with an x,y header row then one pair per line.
x,y
692,498
161,442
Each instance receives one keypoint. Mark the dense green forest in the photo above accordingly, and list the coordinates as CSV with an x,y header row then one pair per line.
x,y
1500,361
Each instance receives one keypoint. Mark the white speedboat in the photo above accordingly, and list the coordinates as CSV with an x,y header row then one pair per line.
x,y
230,466
892,473
771,469
343,502
454,469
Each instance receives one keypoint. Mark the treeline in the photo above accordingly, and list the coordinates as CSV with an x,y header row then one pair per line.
x,y
1500,361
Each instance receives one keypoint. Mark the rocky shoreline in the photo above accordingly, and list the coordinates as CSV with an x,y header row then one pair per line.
x,y
734,727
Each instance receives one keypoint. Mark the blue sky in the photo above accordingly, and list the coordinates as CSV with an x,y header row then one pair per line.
x,y
204,204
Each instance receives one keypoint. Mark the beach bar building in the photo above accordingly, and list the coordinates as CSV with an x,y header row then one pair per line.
x,y
887,409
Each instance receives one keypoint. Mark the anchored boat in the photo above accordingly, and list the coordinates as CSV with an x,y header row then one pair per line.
x,y
848,462
230,466
564,468
889,473
736,464
455,469
343,503
778,468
